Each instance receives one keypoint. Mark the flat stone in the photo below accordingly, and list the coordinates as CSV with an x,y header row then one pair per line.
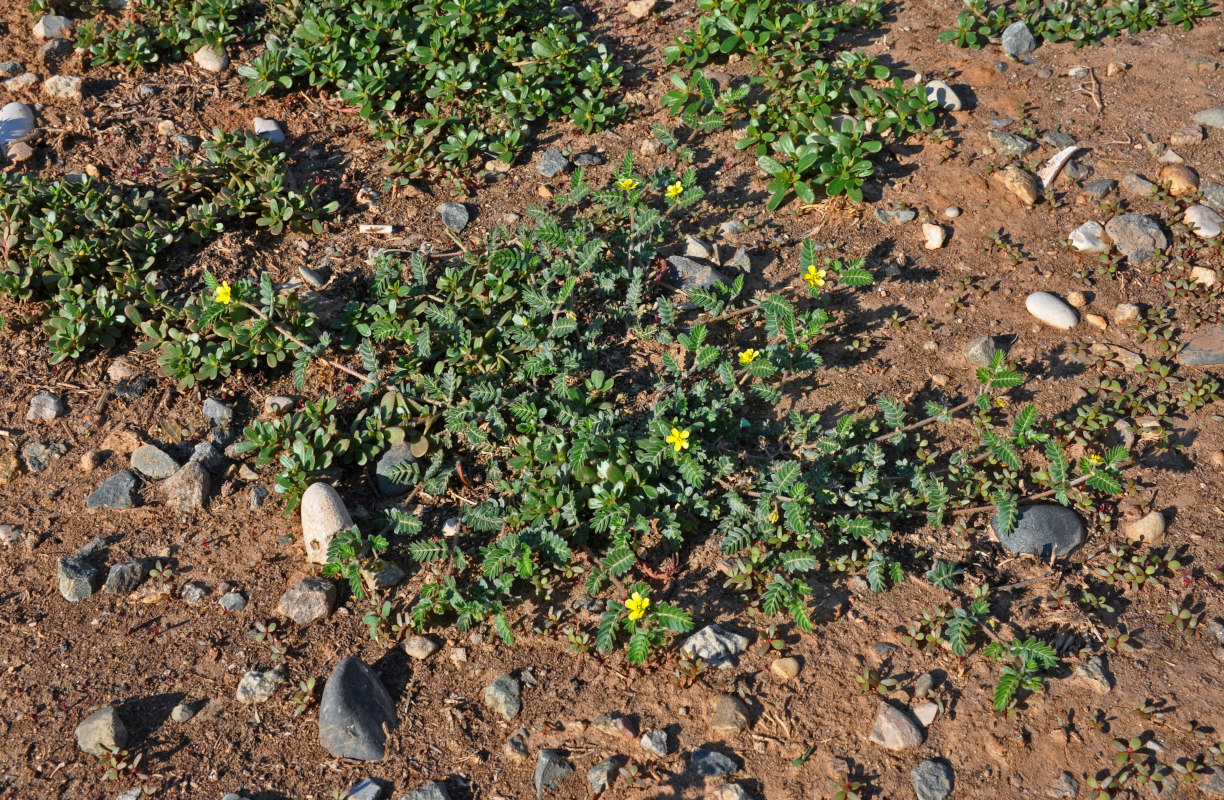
x,y
715,646
354,708
1058,139
740,260
183,712
45,406
943,95
616,725
268,129
207,455
1100,188
551,767
502,696
258,685
728,715
421,647
39,455
77,578
895,216
1186,136
393,457
217,413
1043,530
26,80
1126,312
56,48
454,216
552,163
1149,529
1020,182
117,491
64,87
1137,185
1093,671
655,742
307,600
1127,358
980,351
1137,237
1010,144
1213,784
711,763
323,515
603,775
516,748
1018,40
153,462
1205,222
1065,787
1204,349
932,780
689,275
125,578
50,26
186,141
894,729
1052,310
430,791
18,152
1077,172
1087,238
188,488
588,160
926,714
786,668
233,602
1212,118
103,728
1212,194
211,59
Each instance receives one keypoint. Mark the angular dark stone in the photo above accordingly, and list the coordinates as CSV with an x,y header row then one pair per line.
x,y
354,707
1043,530
77,579
117,491
125,578
552,163
550,768
711,763
394,455
1204,349
454,216
1100,189
687,274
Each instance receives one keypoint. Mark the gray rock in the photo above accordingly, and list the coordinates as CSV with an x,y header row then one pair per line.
x,y
1077,172
39,455
1137,185
711,763
117,491
126,577
980,351
153,462
269,129
688,275
1213,194
1137,237
279,404
603,775
697,248
64,87
942,94
187,489
51,26
56,48
307,600
393,457
897,216
233,602
1212,118
9,69
1100,188
1213,784
740,260
16,123
258,685
186,141
1018,40
1093,671
77,578
729,715
1010,144
894,729
732,227
103,728
502,695
421,647
45,406
1065,787
365,789
552,163
1043,530
932,780
208,456
315,279
1204,349
211,59
432,791
551,767
1052,310
234,796
924,685
715,646
217,413
452,527
454,216
193,591
655,742
1058,139
258,495
588,160
183,712
353,711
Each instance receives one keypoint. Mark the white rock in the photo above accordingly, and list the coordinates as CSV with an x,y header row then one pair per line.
x,y
715,646
1204,221
1205,277
23,81
269,129
1087,238
1077,72
952,212
53,27
16,122
210,60
640,9
1050,309
323,515
63,87
942,94
926,713
935,235
1170,157
1149,529
1126,312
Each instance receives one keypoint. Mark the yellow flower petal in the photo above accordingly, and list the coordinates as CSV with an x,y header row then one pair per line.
x,y
223,294
748,356
675,190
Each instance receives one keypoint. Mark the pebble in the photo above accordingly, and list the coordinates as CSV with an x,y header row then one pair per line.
x,y
655,742
980,351
452,527
1065,787
353,710
894,729
39,455
1052,310
77,578
64,87
117,491
430,791
233,602
1077,72
421,647
1093,671
9,467
715,646
924,685
616,725
1205,277
55,48
1022,183
1204,349
269,129
1137,185
1077,172
217,414
125,578
1180,179
728,715
926,714
258,495
279,404
895,216
1018,40
381,574
183,712
18,152
211,59
934,235
103,728
307,600
650,147
786,668
552,163
588,160
942,94
185,141
454,216
1126,312
207,455
153,462
730,791
1170,157
1212,118
640,9
258,685
732,227
1212,194
711,763
932,780
9,69
551,767
193,592
392,458
1205,222
1149,529
1010,144
23,81
1043,530
952,212
1087,238
51,26
1100,189
323,515
688,275
45,406
1137,237
502,696
603,775
187,489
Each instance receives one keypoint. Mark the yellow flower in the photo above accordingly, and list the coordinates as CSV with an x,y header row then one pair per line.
x,y
628,184
1095,459
637,605
748,356
675,190
1002,401
814,277
773,517
223,294
678,439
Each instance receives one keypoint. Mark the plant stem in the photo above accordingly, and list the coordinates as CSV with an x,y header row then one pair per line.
x,y
1040,495
304,346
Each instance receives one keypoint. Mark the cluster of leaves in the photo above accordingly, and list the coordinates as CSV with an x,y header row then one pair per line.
x,y
807,103
1080,22
153,30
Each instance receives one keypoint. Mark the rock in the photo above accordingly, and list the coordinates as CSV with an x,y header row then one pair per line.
x,y
900,216
696,248
1065,787
1186,136
924,685
452,527
431,791
1213,784
258,685
1205,223
894,730
421,647
1010,144
39,455
188,488
688,275
655,742
26,80
786,668
394,456
64,87
1180,179
1137,185
1137,237
77,578
1170,157
1204,277
515,747
233,602
454,216
207,455
551,767
588,160
1050,309
117,491
952,212
715,646
123,579
16,123
185,141
602,775
211,59
103,728
734,227
153,462
1042,530
9,69
1018,40
1127,358
650,147
711,763
354,708
1058,139
56,48
258,495
1212,194
552,163
9,467
45,406
730,791
307,600
1149,529
323,515
269,129
616,725
18,152
217,413
279,404
1077,172
381,574
980,351
1093,671
728,715
934,236
640,9
932,780
1100,189
1204,349
1212,118
926,714
1126,312
1021,183
1087,238
502,696
942,94
183,712
50,26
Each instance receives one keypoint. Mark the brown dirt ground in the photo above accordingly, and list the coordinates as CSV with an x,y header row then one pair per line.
x,y
60,661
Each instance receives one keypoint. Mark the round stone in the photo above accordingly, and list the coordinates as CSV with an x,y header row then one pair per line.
x,y
1052,310
1043,531
932,780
